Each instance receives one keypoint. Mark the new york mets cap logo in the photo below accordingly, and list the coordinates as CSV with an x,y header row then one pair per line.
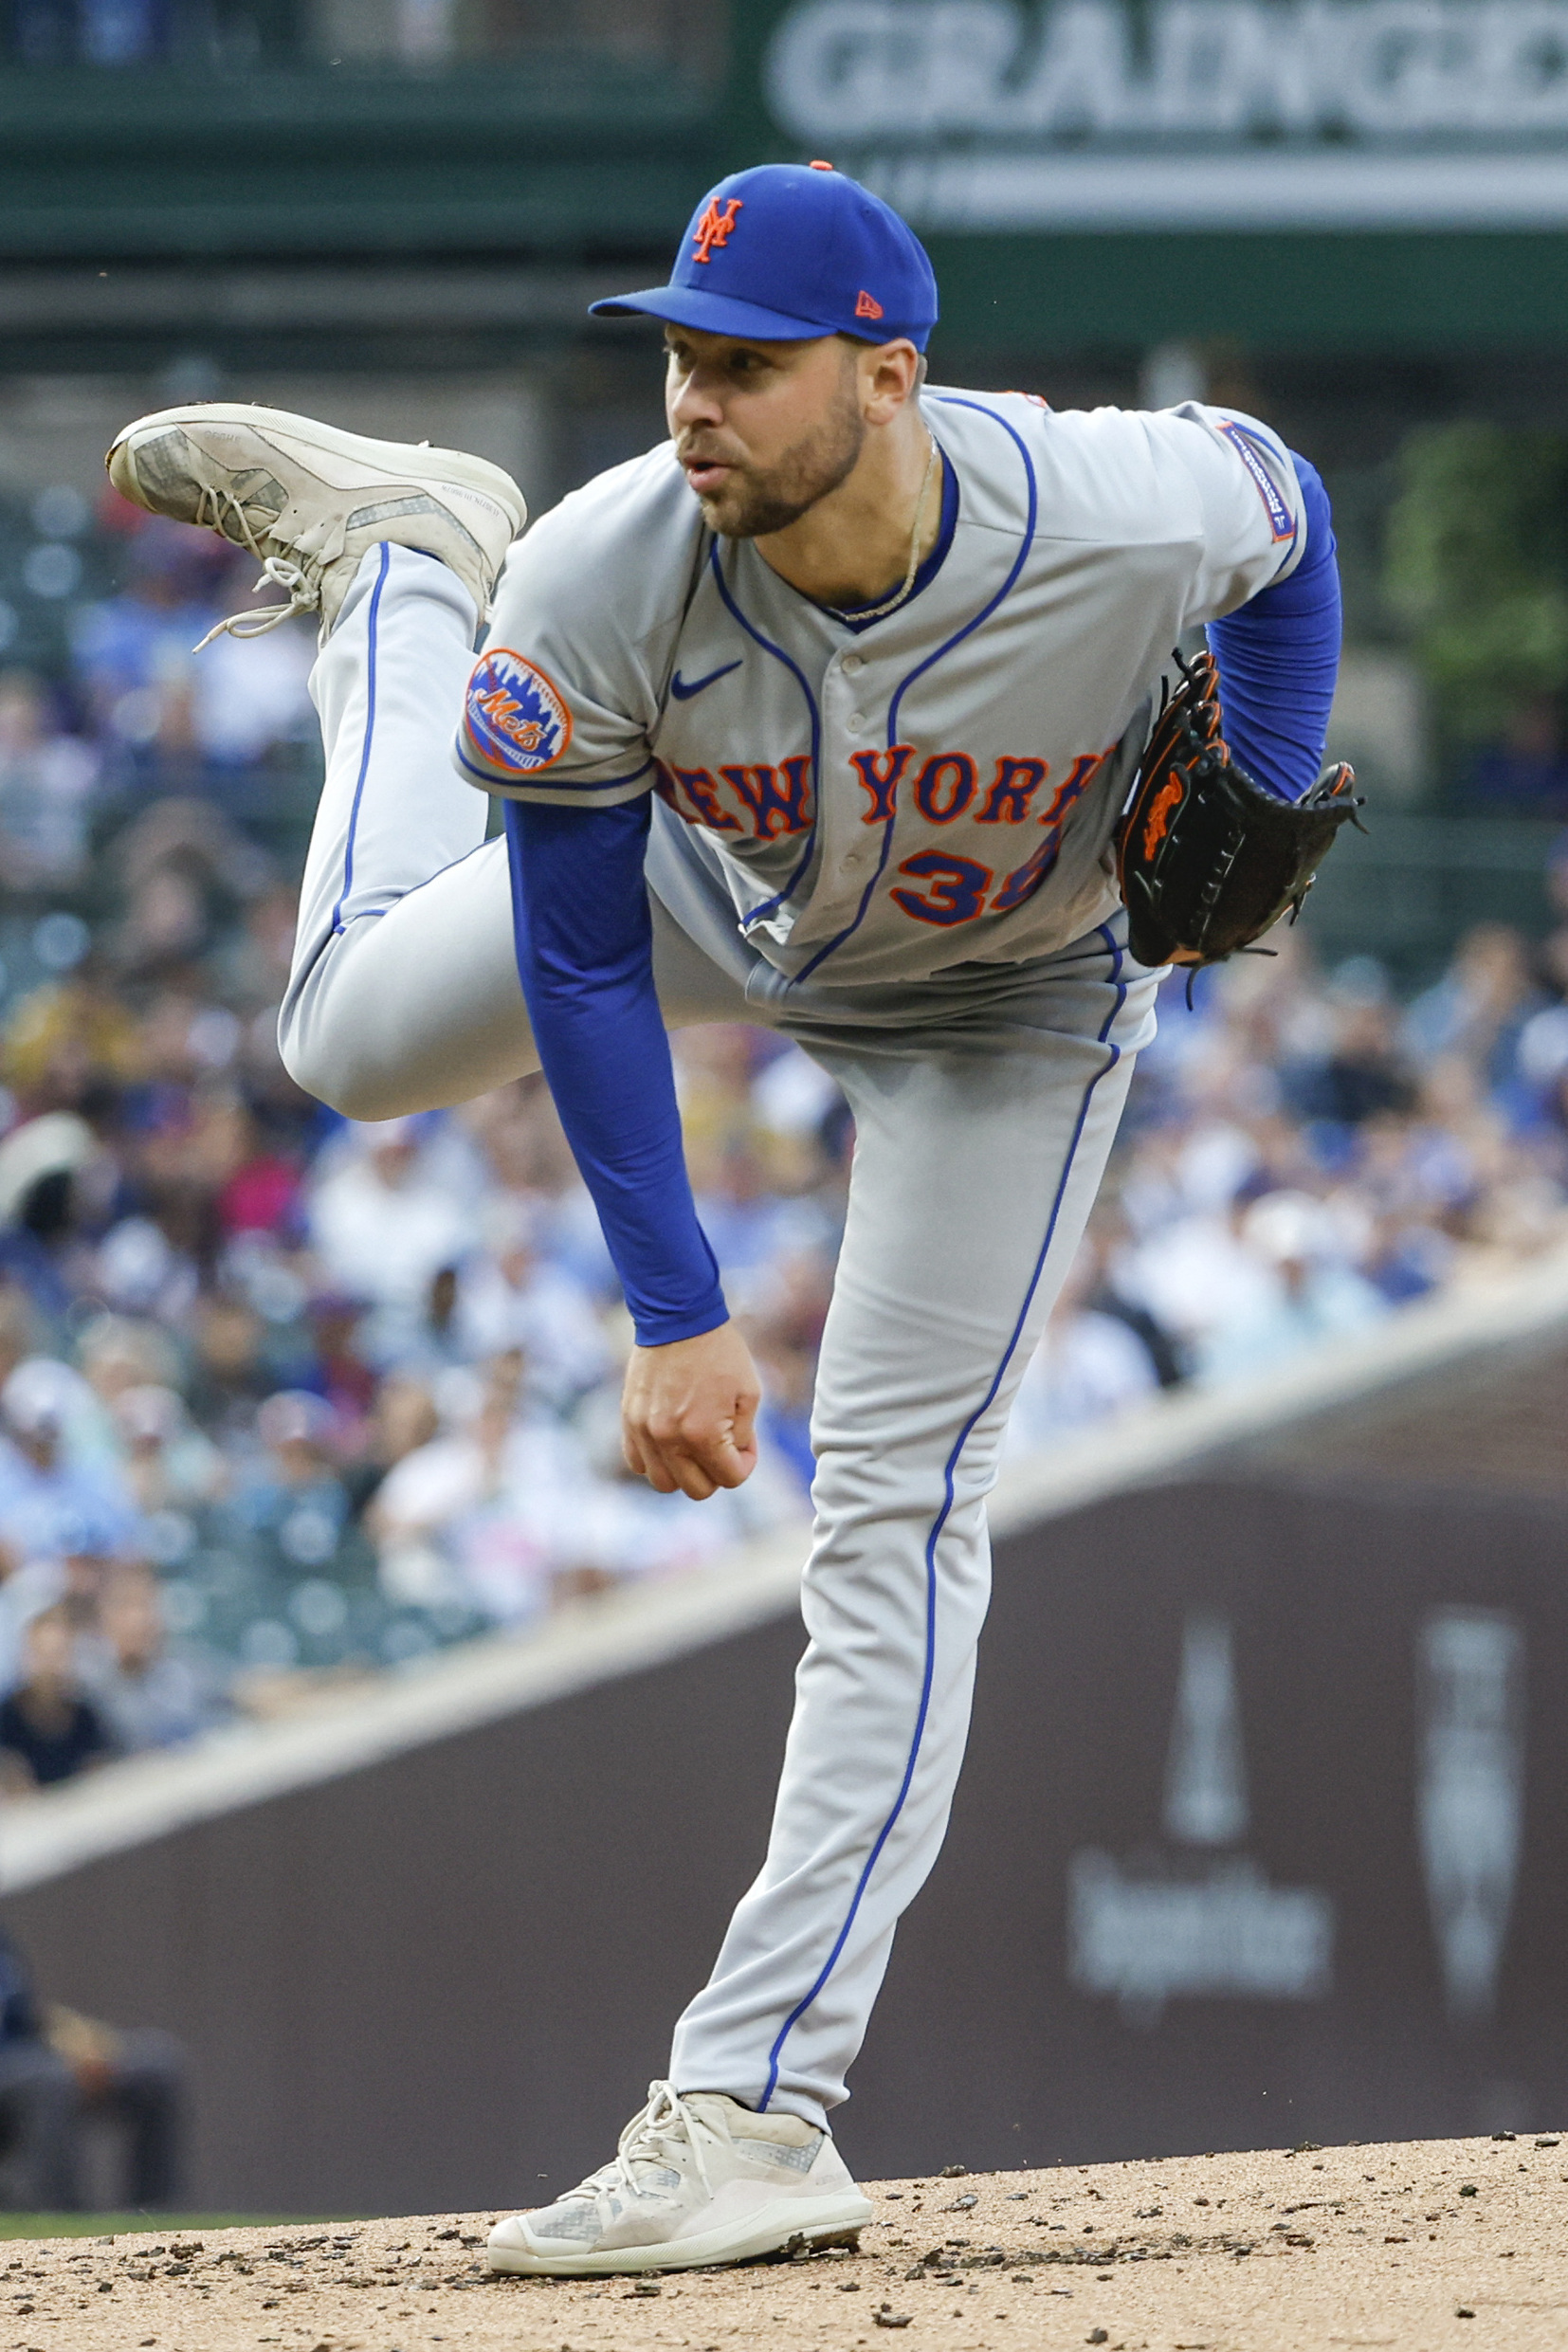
x,y
515,717
715,225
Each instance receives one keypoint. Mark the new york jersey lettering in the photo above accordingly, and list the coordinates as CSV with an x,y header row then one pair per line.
x,y
882,773
693,793
1012,787
779,799
946,787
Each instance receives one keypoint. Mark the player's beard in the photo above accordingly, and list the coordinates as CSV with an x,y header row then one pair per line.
x,y
752,503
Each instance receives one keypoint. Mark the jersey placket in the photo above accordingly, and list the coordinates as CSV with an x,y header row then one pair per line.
x,y
854,720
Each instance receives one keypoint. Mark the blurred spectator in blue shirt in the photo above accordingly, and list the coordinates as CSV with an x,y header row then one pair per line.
x,y
1525,773
50,1503
148,1695
134,650
294,1500
47,782
1479,1005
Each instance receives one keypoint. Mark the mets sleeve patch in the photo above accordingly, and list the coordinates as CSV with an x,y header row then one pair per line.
x,y
515,720
1282,522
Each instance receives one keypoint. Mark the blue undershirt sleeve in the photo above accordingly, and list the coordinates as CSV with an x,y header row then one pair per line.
x,y
1278,657
585,958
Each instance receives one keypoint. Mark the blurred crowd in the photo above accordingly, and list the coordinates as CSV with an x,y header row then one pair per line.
x,y
286,1400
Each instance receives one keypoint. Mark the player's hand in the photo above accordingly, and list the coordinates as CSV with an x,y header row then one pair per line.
x,y
688,1413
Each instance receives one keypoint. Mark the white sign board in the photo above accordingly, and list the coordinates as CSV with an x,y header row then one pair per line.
x,y
1192,114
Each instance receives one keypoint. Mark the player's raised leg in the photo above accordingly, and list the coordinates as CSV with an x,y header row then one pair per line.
x,y
404,994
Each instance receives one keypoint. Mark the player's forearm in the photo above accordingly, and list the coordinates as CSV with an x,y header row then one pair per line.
x,y
585,961
1279,657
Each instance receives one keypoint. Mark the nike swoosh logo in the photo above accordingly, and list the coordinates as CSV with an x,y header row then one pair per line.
x,y
683,693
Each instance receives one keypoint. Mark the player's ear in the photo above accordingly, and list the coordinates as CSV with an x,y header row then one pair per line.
x,y
892,374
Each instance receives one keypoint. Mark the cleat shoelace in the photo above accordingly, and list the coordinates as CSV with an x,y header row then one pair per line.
x,y
300,583
665,2130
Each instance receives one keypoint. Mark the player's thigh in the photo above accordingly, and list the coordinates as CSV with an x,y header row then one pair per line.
x,y
972,1178
420,1007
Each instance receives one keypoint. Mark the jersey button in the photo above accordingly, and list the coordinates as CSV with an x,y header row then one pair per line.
x,y
857,721
852,665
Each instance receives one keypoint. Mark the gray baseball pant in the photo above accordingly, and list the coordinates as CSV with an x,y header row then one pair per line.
x,y
984,1104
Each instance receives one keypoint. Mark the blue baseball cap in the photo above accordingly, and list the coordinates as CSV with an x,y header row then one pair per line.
x,y
786,251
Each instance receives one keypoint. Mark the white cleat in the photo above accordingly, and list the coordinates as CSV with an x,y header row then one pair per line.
x,y
698,2179
308,500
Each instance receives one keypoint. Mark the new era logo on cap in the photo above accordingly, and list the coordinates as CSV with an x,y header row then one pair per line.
x,y
866,305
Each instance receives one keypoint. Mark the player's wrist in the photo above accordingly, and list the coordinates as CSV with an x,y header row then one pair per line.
x,y
657,1332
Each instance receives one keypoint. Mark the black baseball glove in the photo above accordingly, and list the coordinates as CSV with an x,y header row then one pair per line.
x,y
1206,859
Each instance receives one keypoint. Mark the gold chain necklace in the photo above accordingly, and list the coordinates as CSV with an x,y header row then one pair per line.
x,y
880,611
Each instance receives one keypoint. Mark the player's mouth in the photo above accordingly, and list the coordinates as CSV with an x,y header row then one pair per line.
x,y
705,476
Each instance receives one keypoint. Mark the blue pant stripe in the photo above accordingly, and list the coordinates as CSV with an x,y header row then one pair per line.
x,y
950,1475
370,737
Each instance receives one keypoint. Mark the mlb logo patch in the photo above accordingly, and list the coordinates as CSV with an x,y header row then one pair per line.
x,y
515,717
1282,522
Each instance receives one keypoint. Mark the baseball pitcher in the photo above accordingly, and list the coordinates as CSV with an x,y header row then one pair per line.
x,y
850,709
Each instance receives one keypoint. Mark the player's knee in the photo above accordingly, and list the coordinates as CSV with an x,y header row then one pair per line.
x,y
326,1062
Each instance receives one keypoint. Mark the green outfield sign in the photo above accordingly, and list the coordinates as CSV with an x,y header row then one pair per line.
x,y
1183,114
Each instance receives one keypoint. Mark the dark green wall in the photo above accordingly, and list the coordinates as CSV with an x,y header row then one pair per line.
x,y
157,162
1409,292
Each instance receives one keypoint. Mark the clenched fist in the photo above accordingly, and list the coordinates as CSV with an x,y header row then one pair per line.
x,y
688,1413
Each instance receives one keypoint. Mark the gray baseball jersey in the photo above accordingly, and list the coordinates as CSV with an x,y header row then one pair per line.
x,y
938,787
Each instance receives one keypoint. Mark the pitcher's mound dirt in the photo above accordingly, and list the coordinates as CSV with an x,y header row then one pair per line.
x,y
1420,2245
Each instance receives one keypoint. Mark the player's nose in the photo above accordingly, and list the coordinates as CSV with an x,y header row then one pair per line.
x,y
695,400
